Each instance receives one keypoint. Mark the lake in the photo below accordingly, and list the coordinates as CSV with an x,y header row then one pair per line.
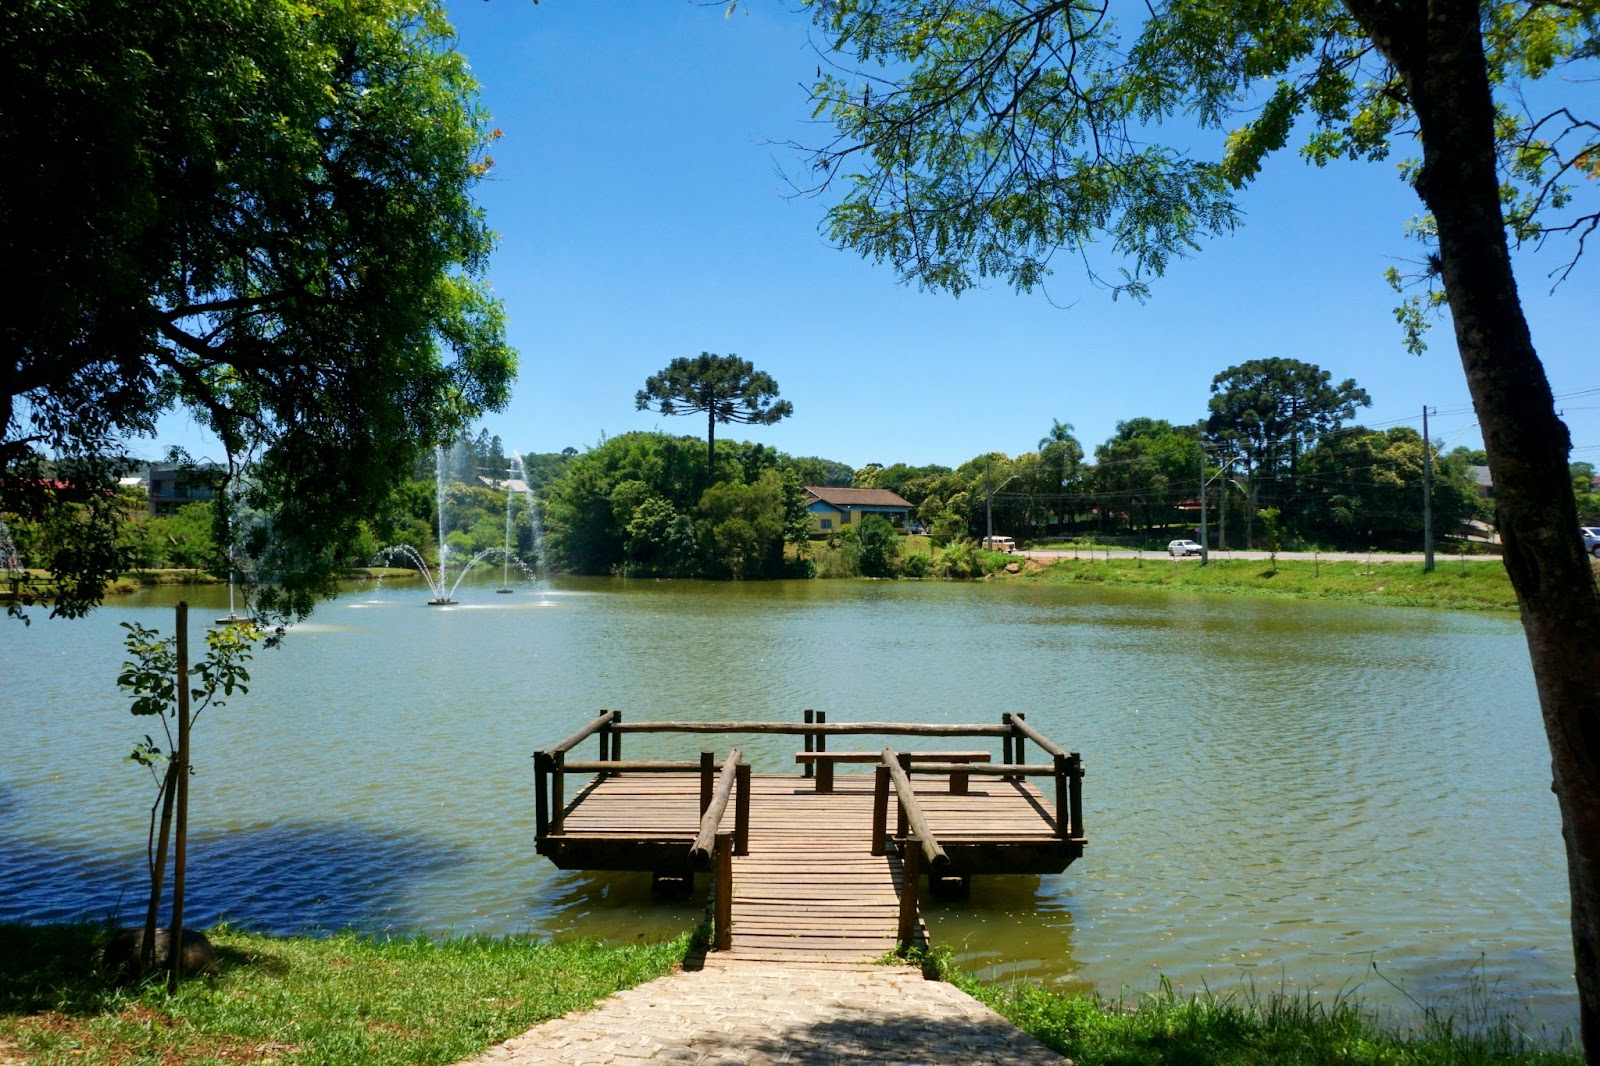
x,y
1310,797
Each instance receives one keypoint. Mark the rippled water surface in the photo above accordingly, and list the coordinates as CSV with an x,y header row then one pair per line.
x,y
1292,795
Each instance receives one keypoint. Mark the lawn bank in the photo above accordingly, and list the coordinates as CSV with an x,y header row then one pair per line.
x,y
356,1000
1452,585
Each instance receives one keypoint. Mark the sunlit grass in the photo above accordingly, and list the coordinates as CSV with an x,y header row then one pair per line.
x,y
1453,584
341,999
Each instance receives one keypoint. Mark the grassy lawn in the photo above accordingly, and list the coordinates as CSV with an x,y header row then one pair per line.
x,y
354,1000
1454,585
345,999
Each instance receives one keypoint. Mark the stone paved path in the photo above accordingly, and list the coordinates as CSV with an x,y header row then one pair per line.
x,y
751,1012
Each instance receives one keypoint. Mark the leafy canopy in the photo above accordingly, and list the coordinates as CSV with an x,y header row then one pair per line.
x,y
981,137
724,388
258,211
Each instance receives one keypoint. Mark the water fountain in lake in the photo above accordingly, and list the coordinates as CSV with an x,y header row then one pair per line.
x,y
442,588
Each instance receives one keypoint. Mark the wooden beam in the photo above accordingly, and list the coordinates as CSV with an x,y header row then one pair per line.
x,y
634,766
917,824
910,874
1022,726
722,924
604,718
712,818
912,729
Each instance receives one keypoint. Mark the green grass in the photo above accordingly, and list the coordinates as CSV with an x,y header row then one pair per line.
x,y
344,999
1248,1029
1454,585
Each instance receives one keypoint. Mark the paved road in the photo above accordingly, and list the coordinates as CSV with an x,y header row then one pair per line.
x,y
1439,557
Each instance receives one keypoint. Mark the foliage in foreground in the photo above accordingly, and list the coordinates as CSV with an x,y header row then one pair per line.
x,y
346,999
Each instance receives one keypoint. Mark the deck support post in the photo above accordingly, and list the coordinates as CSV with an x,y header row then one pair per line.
x,y
605,741
902,820
1063,804
822,745
1075,793
722,922
708,766
910,874
810,740
880,810
541,798
558,799
1005,741
1020,743
741,810
616,735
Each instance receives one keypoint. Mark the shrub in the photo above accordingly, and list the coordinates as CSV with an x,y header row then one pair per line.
x,y
917,564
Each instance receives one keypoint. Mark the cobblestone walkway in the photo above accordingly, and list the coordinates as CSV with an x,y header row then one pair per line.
x,y
753,1012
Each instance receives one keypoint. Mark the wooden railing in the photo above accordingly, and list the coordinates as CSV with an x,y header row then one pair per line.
x,y
717,846
916,840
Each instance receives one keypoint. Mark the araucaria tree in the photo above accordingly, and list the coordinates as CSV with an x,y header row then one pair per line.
x,y
995,133
257,211
724,388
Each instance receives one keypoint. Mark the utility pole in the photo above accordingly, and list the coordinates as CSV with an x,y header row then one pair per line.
x,y
988,507
1205,552
1427,496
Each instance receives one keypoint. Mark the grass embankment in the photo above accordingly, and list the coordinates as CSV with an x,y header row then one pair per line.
x,y
344,999
353,1000
1453,585
1277,1030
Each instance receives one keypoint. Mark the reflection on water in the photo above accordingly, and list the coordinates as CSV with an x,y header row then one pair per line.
x,y
1277,792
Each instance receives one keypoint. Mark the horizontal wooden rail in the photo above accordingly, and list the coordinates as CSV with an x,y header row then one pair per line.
x,y
916,822
700,851
632,766
987,769
604,719
1022,726
913,729
825,761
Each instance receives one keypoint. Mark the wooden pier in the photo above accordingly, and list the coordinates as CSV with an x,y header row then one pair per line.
x,y
820,864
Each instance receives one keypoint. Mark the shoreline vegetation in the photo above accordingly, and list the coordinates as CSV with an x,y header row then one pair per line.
x,y
1455,584
1452,586
360,1000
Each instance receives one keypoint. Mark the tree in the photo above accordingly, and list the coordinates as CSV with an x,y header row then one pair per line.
x,y
1063,457
724,388
1269,411
256,211
998,133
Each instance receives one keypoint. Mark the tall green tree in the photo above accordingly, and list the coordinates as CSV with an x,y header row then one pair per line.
x,y
724,388
1063,458
989,135
1269,411
257,211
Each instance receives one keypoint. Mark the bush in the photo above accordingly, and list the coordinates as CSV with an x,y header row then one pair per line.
x,y
917,564
959,561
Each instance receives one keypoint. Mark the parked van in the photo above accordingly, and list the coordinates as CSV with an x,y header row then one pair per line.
x,y
1000,544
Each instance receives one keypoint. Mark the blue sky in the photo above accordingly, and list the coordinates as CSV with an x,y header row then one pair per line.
x,y
644,215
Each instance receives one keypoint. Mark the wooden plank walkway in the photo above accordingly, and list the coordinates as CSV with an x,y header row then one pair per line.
x,y
811,889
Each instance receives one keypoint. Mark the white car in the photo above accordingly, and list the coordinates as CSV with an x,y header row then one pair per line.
x,y
1591,540
1000,544
1183,547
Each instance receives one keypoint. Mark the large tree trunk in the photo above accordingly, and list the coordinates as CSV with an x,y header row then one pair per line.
x,y
1438,49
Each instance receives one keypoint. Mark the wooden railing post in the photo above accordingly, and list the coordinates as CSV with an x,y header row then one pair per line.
x,y
558,799
1020,743
605,741
822,744
741,810
1063,804
902,819
616,735
722,923
910,874
708,765
880,810
810,741
1075,793
1005,741
541,798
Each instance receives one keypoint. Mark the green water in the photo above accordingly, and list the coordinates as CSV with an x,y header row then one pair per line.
x,y
1294,795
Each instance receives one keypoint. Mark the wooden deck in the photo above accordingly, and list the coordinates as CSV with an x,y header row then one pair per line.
x,y
803,880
